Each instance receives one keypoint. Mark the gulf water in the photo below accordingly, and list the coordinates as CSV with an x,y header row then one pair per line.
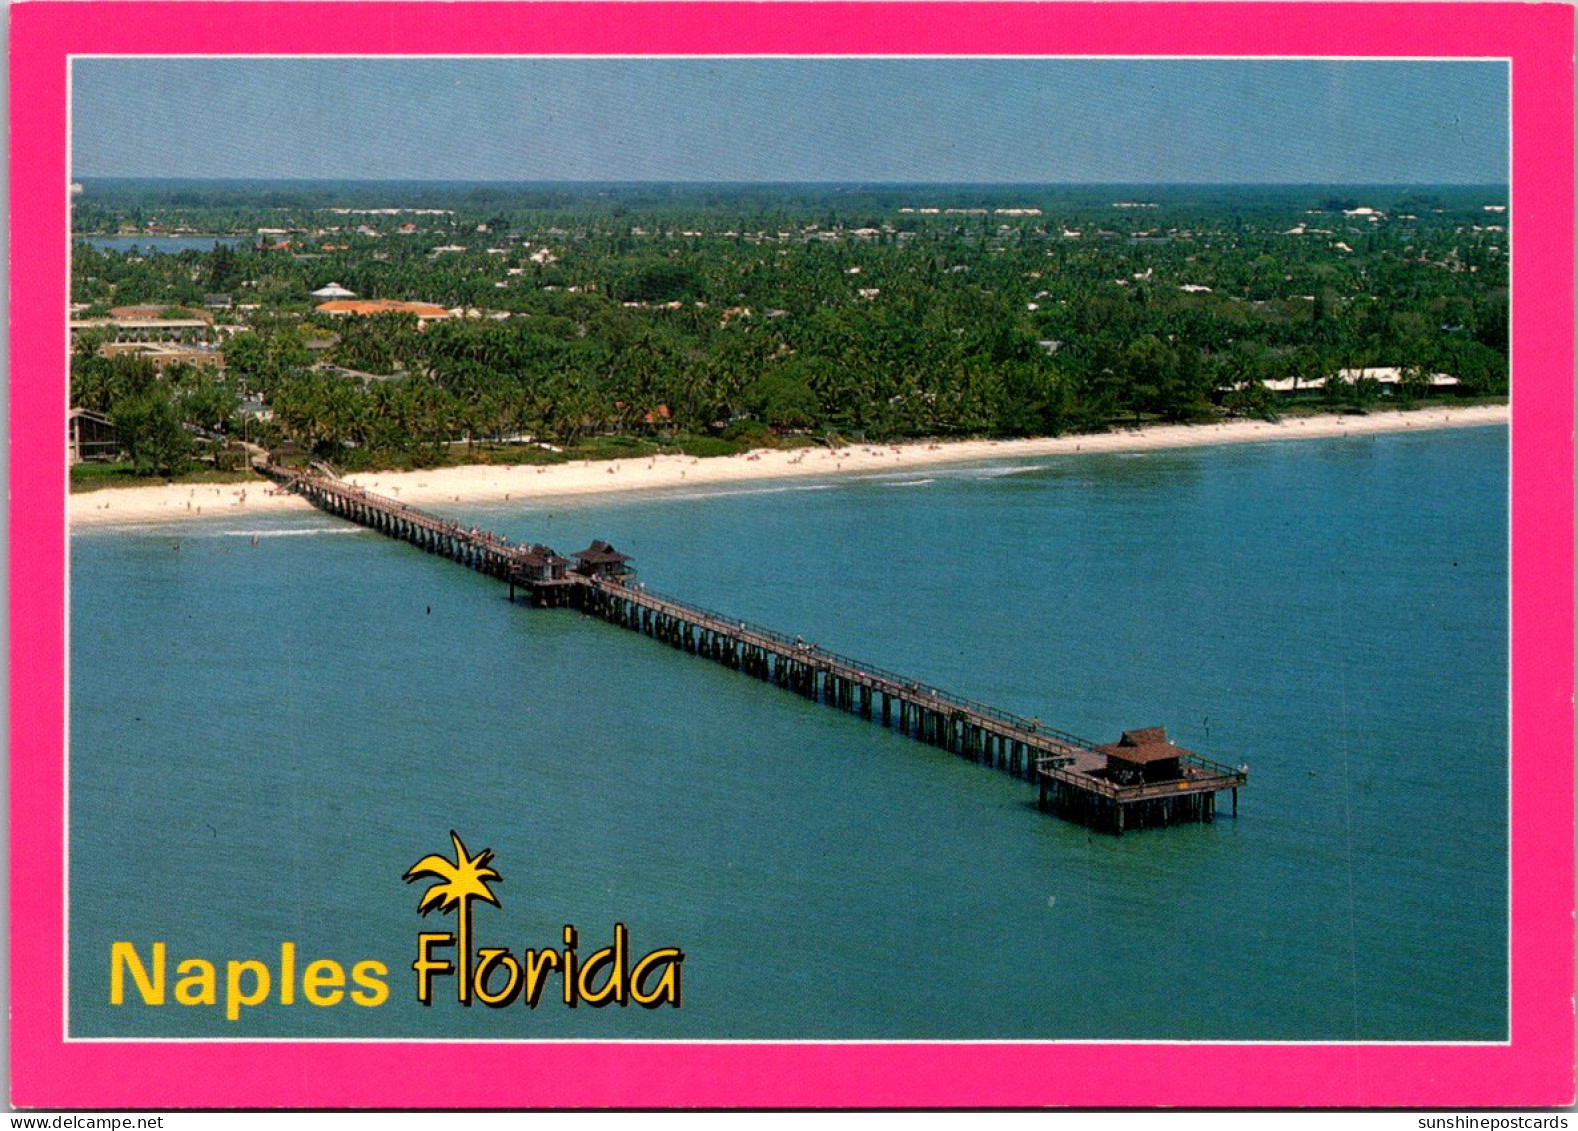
x,y
270,724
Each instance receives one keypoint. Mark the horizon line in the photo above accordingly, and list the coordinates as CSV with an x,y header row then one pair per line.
x,y
772,183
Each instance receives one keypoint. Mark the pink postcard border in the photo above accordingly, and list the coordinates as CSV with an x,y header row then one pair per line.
x,y
1535,1068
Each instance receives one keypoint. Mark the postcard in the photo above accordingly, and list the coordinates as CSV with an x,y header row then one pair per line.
x,y
791,555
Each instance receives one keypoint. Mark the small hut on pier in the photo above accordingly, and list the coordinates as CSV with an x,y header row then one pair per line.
x,y
542,564
1144,757
603,561
1142,781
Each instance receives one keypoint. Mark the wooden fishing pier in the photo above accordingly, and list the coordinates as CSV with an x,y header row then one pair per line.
x,y
1141,781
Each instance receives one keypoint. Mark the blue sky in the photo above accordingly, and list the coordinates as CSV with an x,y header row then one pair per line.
x,y
793,120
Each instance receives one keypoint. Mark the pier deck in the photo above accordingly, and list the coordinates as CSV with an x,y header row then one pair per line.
x,y
1141,782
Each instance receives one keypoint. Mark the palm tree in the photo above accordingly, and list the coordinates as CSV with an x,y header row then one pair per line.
x,y
463,879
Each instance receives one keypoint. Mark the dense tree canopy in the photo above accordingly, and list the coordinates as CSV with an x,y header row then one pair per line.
x,y
883,313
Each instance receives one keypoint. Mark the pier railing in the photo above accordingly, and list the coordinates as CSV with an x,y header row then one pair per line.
x,y
1200,775
326,482
816,654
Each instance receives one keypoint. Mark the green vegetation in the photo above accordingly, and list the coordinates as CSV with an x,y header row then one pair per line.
x,y
632,320
157,412
93,476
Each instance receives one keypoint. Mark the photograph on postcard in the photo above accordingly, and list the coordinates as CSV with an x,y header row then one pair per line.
x,y
828,549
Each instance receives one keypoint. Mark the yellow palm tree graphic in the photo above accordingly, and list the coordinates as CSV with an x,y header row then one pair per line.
x,y
461,880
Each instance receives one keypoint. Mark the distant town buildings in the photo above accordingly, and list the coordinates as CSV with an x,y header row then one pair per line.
x,y
152,323
91,435
163,354
345,308
156,313
1392,375
1388,377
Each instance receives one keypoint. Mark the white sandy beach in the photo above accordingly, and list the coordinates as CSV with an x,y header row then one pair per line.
x,y
502,483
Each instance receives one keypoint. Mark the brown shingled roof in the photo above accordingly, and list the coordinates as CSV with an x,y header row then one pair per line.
x,y
601,553
541,556
1140,755
1148,744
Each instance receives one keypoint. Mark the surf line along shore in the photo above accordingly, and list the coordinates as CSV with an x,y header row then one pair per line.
x,y
493,483
1141,781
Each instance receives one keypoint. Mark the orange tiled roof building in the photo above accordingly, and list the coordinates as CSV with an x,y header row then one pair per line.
x,y
343,308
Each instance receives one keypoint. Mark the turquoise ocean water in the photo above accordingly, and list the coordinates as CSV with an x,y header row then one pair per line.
x,y
269,725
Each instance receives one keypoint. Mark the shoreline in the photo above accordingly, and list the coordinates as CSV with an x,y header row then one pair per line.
x,y
497,483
